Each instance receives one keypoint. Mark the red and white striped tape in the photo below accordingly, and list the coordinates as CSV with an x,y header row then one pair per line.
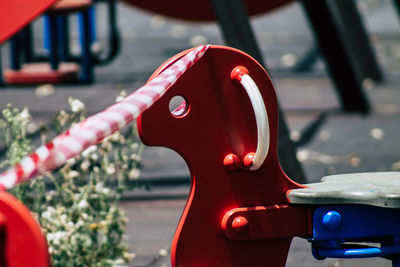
x,y
95,128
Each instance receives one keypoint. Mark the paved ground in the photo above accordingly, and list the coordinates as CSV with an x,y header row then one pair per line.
x,y
344,143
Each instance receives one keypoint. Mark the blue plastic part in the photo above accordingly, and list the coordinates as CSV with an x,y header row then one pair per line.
x,y
357,221
321,253
331,220
63,37
92,23
14,53
53,39
46,30
85,41
91,20
334,227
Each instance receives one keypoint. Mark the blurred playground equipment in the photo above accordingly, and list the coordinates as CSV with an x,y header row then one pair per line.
x,y
243,210
58,65
335,23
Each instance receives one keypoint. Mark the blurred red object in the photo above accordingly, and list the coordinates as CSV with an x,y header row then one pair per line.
x,y
22,242
200,11
16,14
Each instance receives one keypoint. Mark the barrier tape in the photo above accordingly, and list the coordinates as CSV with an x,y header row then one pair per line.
x,y
97,127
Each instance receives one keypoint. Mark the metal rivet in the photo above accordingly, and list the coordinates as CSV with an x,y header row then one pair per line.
x,y
332,220
248,160
238,72
231,161
240,224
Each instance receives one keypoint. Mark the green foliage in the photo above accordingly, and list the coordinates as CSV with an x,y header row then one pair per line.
x,y
77,206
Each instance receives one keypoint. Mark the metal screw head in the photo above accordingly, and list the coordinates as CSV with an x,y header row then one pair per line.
x,y
332,220
248,160
240,224
238,72
231,162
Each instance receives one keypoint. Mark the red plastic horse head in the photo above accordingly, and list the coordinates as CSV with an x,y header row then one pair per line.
x,y
217,120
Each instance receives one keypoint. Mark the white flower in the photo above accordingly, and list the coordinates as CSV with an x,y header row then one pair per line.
x,y
47,215
76,105
85,165
59,234
119,98
129,256
49,212
88,242
83,204
106,143
79,223
63,218
116,136
118,262
163,252
62,117
25,114
88,151
85,216
99,187
71,161
94,156
135,157
57,237
73,241
134,146
106,191
134,174
49,197
32,127
70,224
50,236
110,169
73,174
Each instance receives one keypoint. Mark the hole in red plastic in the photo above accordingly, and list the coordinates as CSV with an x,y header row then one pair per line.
x,y
178,106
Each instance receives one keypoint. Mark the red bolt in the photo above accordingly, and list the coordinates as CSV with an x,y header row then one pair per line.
x,y
240,224
238,72
248,159
231,161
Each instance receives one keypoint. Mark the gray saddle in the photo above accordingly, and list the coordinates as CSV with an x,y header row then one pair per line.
x,y
373,188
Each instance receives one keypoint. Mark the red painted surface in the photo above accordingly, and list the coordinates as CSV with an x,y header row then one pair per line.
x,y
200,11
36,73
15,14
220,122
266,222
68,6
21,241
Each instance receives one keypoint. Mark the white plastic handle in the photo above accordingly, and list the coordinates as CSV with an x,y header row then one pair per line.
x,y
260,113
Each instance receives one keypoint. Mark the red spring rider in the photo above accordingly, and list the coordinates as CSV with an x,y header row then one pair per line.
x,y
237,212
242,208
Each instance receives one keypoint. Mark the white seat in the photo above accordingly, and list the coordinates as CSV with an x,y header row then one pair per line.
x,y
374,188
